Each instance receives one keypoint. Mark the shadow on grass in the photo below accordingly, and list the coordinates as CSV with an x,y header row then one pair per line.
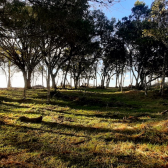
x,y
13,105
43,130
103,114
77,156
90,102
76,127
73,155
124,135
8,99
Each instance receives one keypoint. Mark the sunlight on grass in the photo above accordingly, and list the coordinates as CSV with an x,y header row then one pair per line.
x,y
74,132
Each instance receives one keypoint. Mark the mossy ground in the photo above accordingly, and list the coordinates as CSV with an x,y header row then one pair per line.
x,y
84,129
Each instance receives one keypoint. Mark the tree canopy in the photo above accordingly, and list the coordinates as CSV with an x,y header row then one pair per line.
x,y
67,35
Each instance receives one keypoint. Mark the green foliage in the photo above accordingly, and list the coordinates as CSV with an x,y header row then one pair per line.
x,y
138,3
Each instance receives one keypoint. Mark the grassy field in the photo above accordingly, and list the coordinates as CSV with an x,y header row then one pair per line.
x,y
84,129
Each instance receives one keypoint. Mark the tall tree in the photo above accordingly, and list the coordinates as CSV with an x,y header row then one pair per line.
x,y
131,31
19,41
159,18
115,59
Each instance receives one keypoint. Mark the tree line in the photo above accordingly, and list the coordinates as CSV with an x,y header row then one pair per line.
x,y
67,35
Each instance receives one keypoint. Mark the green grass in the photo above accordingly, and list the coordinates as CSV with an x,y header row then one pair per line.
x,y
83,129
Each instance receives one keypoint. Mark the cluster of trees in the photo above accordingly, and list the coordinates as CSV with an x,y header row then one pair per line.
x,y
144,34
67,35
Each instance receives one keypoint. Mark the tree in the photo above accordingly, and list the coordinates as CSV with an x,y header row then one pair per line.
x,y
18,42
114,59
130,30
159,18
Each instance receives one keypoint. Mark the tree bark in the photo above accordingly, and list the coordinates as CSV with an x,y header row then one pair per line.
x,y
42,76
29,80
88,79
71,80
9,75
102,83
48,80
121,83
130,79
95,79
76,82
53,81
136,79
108,81
67,69
116,80
25,83
162,85
79,82
33,81
145,85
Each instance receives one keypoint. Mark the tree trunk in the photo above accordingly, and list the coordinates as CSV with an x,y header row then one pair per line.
x,y
53,76
116,80
33,82
25,83
108,81
121,83
136,78
162,85
42,76
53,81
46,75
63,86
130,79
102,83
142,78
29,80
71,80
67,69
9,75
88,79
150,79
124,78
76,82
95,78
145,83
48,80
79,82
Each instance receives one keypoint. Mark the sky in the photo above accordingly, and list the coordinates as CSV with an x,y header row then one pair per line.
x,y
123,8
117,11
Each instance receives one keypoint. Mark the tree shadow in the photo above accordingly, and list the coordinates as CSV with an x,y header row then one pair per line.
x,y
14,105
75,155
76,127
8,99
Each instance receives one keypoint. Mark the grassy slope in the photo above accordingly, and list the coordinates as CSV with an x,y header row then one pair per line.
x,y
83,129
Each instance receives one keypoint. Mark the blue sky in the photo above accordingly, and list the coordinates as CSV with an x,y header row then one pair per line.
x,y
122,8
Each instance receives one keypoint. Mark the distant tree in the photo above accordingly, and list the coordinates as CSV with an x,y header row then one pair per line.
x,y
81,62
104,30
8,69
114,59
